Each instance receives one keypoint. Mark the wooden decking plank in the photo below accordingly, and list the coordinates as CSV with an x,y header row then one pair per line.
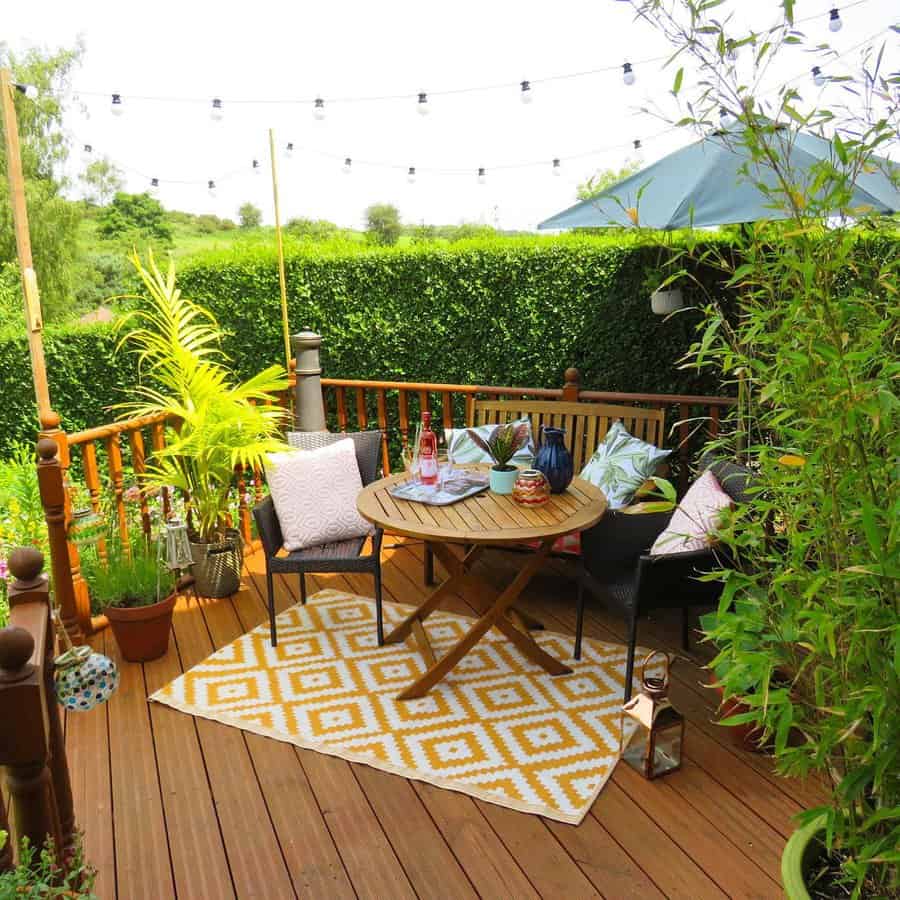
x,y
143,867
87,750
257,866
646,841
192,823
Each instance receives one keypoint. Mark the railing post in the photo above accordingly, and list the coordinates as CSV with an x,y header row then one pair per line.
x,y
309,407
572,386
71,591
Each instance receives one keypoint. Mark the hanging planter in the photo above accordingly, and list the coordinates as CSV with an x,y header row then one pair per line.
x,y
84,679
86,527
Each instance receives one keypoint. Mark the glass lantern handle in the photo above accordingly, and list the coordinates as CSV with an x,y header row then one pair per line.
x,y
647,659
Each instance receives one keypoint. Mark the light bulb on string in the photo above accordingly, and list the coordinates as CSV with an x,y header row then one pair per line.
x,y
411,175
834,20
422,104
731,51
482,176
257,168
29,90
116,105
154,186
636,143
347,167
211,188
525,92
628,75
319,109
818,77
87,154
216,113
557,169
725,117
289,150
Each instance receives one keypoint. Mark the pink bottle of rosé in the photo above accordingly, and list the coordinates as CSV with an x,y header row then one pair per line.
x,y
428,463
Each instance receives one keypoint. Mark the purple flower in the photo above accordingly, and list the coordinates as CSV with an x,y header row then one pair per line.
x,y
4,569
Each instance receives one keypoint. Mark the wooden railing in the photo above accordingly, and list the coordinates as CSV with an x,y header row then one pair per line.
x,y
102,456
32,748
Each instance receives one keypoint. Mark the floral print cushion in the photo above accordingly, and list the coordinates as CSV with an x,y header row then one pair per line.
x,y
621,464
464,451
694,522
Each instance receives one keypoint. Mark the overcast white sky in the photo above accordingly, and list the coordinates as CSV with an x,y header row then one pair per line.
x,y
279,50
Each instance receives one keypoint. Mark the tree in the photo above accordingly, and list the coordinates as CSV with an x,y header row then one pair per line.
x,y
53,219
312,229
102,179
132,217
605,178
383,224
250,216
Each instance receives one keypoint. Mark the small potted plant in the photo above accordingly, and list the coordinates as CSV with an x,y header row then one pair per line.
x,y
135,594
501,445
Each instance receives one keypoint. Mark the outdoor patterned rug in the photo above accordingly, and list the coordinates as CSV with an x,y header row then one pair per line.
x,y
497,728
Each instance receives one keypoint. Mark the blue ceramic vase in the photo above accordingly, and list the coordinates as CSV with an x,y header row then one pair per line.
x,y
554,459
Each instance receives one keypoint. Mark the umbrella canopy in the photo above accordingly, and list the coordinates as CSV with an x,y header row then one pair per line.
x,y
702,185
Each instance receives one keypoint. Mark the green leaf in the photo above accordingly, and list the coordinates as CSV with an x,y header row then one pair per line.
x,y
679,77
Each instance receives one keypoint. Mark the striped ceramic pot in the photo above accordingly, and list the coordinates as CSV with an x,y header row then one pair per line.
x,y
531,488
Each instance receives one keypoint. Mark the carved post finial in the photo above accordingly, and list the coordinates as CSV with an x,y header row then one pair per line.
x,y
26,563
16,647
572,385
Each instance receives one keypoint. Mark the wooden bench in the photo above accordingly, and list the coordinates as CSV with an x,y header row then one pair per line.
x,y
586,424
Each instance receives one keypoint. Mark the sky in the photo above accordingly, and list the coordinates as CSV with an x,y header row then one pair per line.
x,y
261,56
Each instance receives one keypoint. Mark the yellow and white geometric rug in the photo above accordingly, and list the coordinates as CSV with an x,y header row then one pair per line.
x,y
498,727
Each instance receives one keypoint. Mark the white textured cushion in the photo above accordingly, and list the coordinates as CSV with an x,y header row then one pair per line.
x,y
464,451
621,464
693,524
314,492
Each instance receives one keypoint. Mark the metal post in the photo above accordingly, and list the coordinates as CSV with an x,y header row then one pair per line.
x,y
309,407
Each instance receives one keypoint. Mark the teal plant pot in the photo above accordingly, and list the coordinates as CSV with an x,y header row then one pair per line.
x,y
800,853
503,482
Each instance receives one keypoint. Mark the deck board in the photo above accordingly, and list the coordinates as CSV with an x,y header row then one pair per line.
x,y
187,807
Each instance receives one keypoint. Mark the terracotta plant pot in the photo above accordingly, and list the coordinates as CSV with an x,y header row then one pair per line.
x,y
142,632
802,851
745,736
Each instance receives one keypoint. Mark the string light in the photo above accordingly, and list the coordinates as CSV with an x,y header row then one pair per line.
x,y
319,109
211,188
628,75
216,113
346,168
525,94
482,176
411,175
257,169
557,169
731,50
154,186
725,117
422,105
29,90
289,150
636,144
86,154
818,77
116,105
834,20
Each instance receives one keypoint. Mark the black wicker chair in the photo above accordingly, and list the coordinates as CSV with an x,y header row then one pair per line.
x,y
615,565
344,556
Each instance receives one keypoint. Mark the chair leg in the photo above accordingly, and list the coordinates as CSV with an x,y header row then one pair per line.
x,y
303,589
270,595
632,642
686,628
379,616
429,566
579,618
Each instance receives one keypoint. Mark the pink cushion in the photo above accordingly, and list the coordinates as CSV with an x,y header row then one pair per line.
x,y
695,518
568,544
314,492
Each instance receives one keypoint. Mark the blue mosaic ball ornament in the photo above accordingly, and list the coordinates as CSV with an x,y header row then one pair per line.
x,y
84,679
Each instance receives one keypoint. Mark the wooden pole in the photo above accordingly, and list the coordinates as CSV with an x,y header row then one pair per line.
x,y
281,277
33,319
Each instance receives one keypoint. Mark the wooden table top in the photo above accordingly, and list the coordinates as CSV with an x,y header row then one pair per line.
x,y
486,518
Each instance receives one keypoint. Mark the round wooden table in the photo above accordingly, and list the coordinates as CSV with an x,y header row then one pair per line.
x,y
487,519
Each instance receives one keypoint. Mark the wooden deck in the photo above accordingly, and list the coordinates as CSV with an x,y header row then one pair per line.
x,y
173,806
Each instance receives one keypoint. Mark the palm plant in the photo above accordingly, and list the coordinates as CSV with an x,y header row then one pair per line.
x,y
502,443
218,424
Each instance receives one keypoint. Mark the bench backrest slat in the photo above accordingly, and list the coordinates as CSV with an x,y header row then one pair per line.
x,y
586,424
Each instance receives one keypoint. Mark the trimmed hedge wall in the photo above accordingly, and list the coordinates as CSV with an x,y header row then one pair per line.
x,y
512,312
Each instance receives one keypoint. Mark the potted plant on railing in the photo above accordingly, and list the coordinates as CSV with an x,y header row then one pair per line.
x,y
216,425
501,445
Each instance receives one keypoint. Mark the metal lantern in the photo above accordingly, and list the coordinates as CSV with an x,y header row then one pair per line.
x,y
86,527
178,547
656,745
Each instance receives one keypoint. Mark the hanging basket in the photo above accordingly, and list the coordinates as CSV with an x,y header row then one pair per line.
x,y
86,527
217,567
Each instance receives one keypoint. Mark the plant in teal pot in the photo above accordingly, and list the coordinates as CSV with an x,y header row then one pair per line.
x,y
501,445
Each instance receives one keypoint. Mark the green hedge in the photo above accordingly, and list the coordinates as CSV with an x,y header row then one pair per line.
x,y
490,312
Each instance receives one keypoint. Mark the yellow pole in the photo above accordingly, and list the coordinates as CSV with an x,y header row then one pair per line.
x,y
33,319
281,277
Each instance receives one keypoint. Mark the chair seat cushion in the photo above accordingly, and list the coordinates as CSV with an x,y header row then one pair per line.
x,y
621,464
325,553
315,493
693,524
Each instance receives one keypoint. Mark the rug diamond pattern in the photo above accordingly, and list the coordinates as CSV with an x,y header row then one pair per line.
x,y
497,727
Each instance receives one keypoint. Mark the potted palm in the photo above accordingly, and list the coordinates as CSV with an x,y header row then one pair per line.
x,y
215,423
501,445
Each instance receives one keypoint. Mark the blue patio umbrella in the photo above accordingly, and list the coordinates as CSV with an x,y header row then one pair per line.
x,y
702,185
